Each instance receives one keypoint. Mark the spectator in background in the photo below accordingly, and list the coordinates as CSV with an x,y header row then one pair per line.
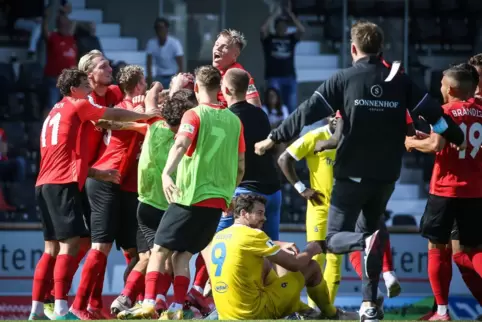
x,y
273,106
279,54
61,54
27,15
85,38
164,54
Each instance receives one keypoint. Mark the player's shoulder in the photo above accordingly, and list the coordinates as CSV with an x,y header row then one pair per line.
x,y
320,133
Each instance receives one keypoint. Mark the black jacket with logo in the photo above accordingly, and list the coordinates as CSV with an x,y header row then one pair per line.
x,y
374,114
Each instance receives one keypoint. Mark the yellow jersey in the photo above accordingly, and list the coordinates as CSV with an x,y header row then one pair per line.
x,y
321,164
236,267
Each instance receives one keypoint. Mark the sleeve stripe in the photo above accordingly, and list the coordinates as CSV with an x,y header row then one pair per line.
x,y
324,100
421,101
91,101
292,154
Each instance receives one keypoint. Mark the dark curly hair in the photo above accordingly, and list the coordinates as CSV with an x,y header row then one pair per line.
x,y
186,94
174,108
476,60
246,202
70,77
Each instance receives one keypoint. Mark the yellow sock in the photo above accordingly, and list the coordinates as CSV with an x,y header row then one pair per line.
x,y
320,259
320,295
332,274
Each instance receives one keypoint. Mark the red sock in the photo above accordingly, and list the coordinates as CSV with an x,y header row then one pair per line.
x,y
476,257
470,277
44,272
90,273
128,258
84,248
95,300
64,265
387,257
448,269
164,284
202,275
134,285
140,296
181,285
152,280
355,260
438,274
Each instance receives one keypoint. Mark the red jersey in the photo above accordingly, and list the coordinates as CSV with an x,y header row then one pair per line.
x,y
459,173
63,157
121,151
251,93
61,54
191,122
93,134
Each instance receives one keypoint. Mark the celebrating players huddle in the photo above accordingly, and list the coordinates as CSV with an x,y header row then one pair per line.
x,y
156,171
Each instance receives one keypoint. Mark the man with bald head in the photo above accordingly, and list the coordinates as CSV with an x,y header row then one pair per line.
x,y
260,175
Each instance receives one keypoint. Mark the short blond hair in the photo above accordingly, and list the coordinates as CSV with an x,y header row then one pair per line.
x,y
129,76
235,37
86,62
209,77
367,36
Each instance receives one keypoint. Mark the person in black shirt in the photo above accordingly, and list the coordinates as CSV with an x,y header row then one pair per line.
x,y
372,101
279,55
260,174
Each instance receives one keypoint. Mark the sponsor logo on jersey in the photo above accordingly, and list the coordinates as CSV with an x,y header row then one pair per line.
x,y
376,103
221,287
187,128
251,89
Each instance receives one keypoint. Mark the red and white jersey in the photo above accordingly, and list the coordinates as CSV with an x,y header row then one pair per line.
x,y
121,151
63,155
251,93
112,96
459,173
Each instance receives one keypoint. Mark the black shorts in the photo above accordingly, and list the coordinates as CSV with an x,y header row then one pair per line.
x,y
187,228
85,210
61,211
441,213
142,246
113,214
148,218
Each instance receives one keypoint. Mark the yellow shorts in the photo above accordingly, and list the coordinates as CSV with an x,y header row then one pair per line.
x,y
316,222
283,295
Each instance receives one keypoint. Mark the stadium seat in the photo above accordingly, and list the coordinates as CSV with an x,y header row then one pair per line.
x,y
404,220
16,135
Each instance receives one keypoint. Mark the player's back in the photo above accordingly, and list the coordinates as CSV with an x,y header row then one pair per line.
x,y
60,146
459,173
236,266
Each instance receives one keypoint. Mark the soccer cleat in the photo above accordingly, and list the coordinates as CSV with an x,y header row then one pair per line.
x,y
161,305
173,315
373,254
310,314
37,317
293,316
199,301
99,314
143,312
393,285
427,316
49,310
440,317
68,316
121,303
343,315
82,314
368,313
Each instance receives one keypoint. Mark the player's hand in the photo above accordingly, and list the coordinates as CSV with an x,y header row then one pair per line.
x,y
313,248
171,191
313,196
408,143
108,175
421,135
261,147
319,146
461,147
139,109
181,80
139,99
289,247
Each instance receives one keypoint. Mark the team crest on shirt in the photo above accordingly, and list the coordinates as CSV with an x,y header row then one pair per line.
x,y
187,128
376,91
221,287
251,89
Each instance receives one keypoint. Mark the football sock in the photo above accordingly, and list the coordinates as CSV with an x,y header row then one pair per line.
x,y
355,260
63,274
477,261
437,274
181,285
151,290
320,295
44,272
95,300
387,257
202,275
470,277
332,274
83,249
90,274
320,259
134,285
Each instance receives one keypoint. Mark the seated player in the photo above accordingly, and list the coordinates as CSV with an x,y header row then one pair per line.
x,y
152,202
63,171
455,190
255,278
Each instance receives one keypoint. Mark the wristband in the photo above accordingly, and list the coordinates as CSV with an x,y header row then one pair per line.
x,y
300,187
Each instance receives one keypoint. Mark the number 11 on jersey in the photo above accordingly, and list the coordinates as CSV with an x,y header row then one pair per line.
x,y
218,255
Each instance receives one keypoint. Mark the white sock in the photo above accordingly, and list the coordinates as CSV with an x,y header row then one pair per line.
x,y
442,309
198,288
149,302
61,307
174,307
390,278
37,308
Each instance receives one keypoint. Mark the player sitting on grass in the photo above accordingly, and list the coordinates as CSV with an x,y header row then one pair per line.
x,y
255,278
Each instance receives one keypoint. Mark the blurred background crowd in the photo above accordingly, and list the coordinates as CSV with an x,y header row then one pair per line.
x,y
293,45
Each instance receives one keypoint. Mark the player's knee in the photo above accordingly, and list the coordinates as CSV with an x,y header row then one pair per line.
x,y
168,265
433,244
52,248
102,247
70,246
180,259
143,260
312,274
